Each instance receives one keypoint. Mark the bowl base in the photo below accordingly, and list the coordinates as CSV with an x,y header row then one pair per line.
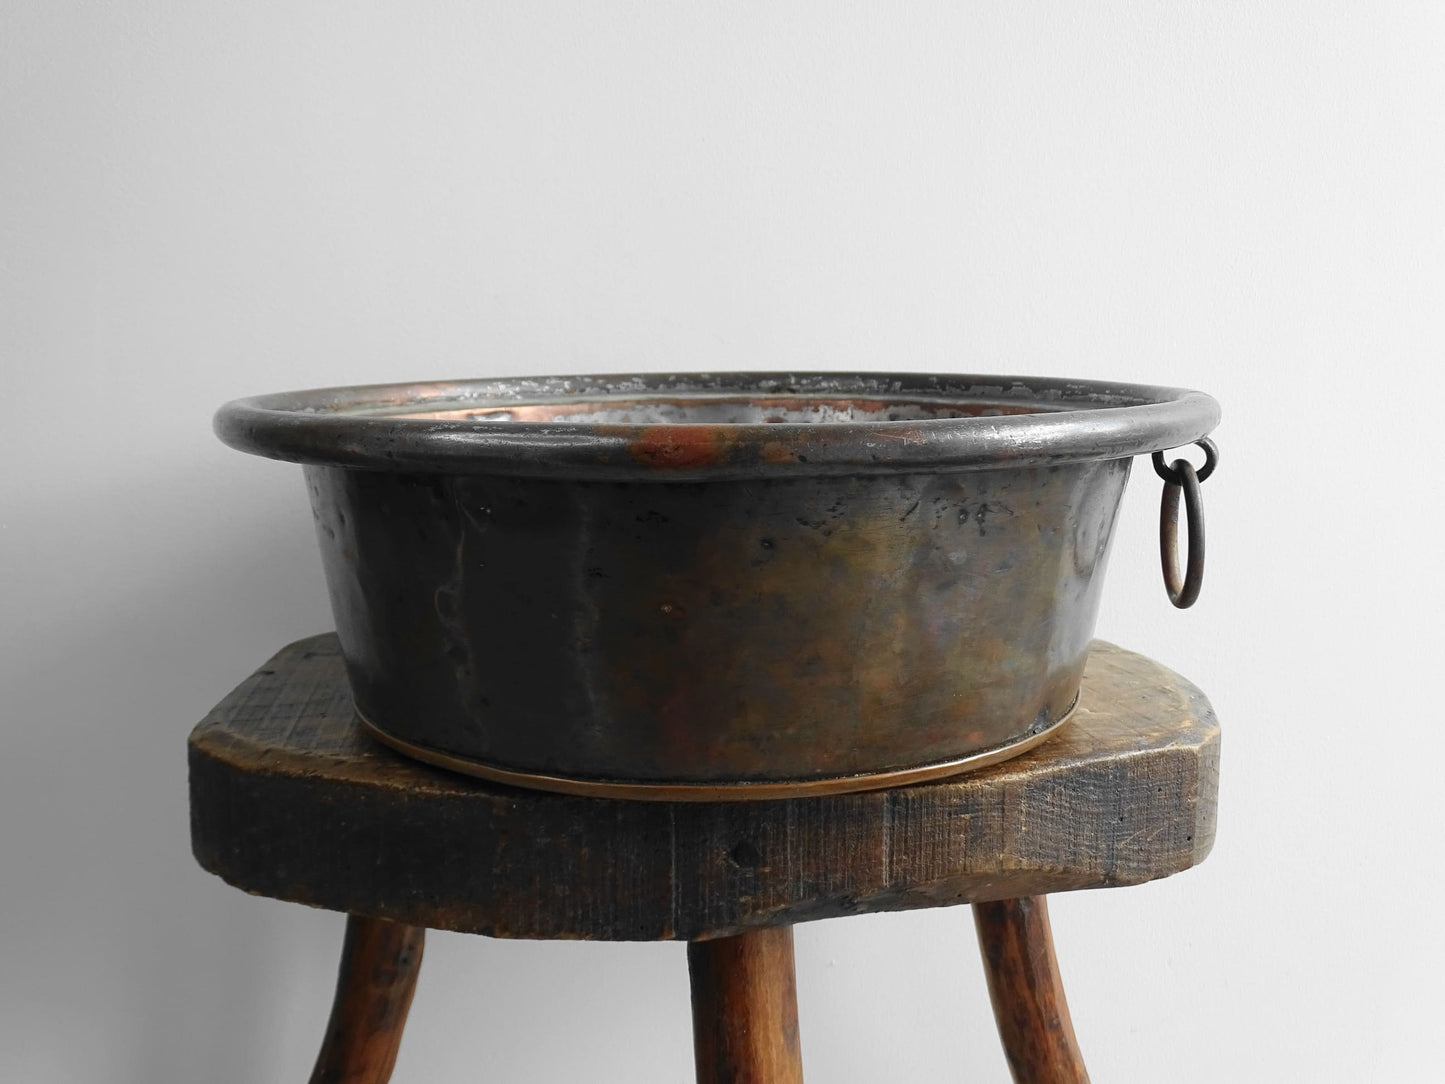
x,y
753,790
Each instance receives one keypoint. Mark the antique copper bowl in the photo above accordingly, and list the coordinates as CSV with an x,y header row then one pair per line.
x,y
716,585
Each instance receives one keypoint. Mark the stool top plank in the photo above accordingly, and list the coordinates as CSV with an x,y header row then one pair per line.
x,y
290,799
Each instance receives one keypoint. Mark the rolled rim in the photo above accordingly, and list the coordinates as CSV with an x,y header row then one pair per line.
x,y
375,427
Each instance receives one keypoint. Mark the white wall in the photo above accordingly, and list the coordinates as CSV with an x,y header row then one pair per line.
x,y
201,200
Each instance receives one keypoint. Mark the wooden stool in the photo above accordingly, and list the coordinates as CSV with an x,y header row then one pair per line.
x,y
290,799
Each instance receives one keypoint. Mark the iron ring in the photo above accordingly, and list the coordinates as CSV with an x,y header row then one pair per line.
x,y
1171,474
1183,592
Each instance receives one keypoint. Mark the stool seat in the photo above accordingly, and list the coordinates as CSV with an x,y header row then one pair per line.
x,y
291,799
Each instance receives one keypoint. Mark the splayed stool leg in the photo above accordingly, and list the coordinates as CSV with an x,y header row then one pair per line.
x,y
374,987
745,1008
1027,992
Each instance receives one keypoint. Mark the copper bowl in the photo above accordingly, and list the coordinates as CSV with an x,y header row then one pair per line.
x,y
714,586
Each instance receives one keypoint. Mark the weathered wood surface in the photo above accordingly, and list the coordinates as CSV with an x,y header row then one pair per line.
x,y
374,987
290,799
1027,992
745,1008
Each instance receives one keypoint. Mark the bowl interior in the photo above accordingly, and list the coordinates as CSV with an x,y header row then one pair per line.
x,y
724,410
691,426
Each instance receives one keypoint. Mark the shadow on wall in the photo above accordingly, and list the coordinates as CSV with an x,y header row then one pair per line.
x,y
139,608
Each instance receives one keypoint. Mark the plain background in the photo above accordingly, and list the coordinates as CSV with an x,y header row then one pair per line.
x,y
202,200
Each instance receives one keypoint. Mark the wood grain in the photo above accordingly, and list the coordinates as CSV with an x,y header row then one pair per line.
x,y
745,1009
1027,992
290,799
374,987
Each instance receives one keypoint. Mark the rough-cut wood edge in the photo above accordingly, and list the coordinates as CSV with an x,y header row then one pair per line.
x,y
1033,1019
374,987
290,800
745,1008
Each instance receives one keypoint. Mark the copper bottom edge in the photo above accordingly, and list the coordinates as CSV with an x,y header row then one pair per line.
x,y
716,792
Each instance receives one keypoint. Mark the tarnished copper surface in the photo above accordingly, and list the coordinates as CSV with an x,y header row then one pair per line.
x,y
679,586
724,631
729,410
975,422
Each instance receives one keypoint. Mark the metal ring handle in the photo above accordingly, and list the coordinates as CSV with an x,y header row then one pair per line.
x,y
1182,592
1171,473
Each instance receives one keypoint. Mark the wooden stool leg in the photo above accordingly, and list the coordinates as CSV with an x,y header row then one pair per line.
x,y
1027,993
379,965
745,1009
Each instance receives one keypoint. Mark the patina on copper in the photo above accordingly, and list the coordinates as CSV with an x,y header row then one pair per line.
x,y
716,585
